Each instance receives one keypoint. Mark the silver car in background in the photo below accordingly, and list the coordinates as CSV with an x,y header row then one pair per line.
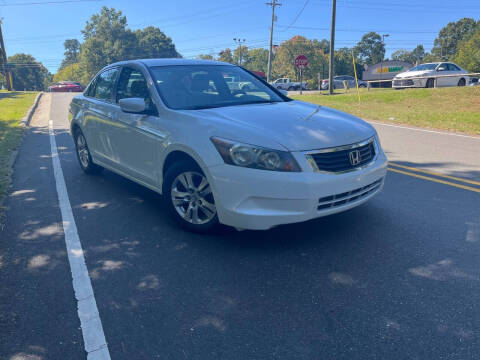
x,y
338,82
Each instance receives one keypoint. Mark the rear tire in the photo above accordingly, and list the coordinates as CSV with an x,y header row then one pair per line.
x,y
462,82
189,197
83,154
430,83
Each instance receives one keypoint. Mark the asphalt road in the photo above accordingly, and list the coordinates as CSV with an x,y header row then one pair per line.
x,y
396,278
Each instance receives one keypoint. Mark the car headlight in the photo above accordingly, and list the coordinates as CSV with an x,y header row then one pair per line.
x,y
256,157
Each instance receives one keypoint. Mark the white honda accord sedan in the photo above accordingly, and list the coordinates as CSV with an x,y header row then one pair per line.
x,y
248,159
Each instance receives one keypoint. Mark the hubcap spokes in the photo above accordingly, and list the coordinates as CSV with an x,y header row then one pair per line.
x,y
82,150
193,198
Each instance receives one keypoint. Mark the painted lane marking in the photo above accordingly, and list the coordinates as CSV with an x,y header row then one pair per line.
x,y
92,330
436,180
424,130
435,174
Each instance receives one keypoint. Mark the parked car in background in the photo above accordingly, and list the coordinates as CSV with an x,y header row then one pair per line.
x,y
248,160
338,82
446,73
66,86
474,82
289,84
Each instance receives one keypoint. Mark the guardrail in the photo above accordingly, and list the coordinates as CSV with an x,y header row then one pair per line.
x,y
434,77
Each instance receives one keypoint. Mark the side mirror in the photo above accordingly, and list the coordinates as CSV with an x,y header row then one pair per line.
x,y
133,105
441,68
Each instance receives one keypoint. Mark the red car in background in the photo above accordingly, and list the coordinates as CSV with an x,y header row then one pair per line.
x,y
66,86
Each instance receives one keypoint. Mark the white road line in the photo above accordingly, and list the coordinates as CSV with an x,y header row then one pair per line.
x,y
424,130
92,330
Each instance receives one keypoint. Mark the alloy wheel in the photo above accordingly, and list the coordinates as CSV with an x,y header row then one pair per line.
x,y
192,198
82,150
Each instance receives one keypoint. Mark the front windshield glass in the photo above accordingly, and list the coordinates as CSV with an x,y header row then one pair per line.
x,y
189,87
424,67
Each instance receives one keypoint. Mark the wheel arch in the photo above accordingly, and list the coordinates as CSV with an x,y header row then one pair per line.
x,y
178,153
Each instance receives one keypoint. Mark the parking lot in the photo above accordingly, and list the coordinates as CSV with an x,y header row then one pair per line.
x,y
396,278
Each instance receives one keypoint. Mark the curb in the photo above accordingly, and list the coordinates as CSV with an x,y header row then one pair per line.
x,y
25,122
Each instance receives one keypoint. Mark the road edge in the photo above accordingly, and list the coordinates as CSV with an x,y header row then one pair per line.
x,y
25,122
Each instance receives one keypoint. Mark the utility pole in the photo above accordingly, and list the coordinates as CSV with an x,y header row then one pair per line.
x,y
3,61
331,68
381,64
240,50
273,4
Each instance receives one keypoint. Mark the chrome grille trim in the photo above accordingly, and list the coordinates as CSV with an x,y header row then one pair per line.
x,y
332,201
311,160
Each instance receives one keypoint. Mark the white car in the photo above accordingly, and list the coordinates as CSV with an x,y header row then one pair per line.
x,y
447,74
247,161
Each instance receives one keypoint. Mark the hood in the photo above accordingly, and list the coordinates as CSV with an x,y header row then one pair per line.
x,y
296,125
408,74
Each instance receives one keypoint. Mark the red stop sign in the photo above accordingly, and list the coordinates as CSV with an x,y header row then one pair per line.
x,y
301,61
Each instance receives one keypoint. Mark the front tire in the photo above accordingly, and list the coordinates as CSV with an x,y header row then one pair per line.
x,y
430,83
83,154
189,197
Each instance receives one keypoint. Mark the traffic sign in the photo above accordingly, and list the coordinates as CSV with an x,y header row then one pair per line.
x,y
301,61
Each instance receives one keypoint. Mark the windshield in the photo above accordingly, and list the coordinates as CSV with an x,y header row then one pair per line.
x,y
189,87
424,67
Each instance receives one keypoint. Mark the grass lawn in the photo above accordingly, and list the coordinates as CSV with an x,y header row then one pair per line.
x,y
455,109
13,106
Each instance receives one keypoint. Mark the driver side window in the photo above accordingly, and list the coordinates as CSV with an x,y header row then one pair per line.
x,y
132,84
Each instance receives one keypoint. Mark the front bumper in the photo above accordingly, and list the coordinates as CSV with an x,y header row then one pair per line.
x,y
408,83
259,200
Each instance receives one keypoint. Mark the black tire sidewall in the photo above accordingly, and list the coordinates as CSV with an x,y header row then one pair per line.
x,y
462,82
91,168
175,170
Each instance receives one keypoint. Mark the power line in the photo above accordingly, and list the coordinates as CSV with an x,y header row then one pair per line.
x,y
298,15
48,2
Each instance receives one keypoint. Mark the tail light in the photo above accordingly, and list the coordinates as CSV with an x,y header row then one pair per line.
x,y
324,81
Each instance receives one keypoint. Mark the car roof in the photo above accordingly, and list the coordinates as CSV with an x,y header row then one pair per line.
x,y
170,62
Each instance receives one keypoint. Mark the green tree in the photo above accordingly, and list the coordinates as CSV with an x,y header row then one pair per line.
x,y
240,55
152,43
205,57
323,44
72,72
418,54
257,60
28,74
72,52
108,40
468,55
226,56
445,45
415,56
284,62
344,63
370,49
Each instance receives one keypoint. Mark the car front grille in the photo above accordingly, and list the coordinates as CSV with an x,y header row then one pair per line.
x,y
332,201
407,82
345,158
